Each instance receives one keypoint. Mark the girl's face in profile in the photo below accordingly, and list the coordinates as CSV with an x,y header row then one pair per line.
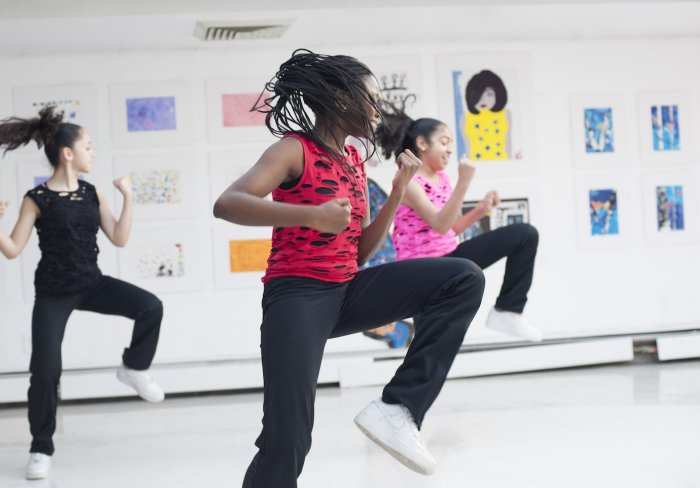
x,y
440,147
487,100
357,128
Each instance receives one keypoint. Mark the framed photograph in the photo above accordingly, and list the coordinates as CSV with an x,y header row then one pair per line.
x,y
608,210
151,114
598,131
665,128
487,100
230,117
670,206
77,103
163,185
226,167
240,255
509,211
161,259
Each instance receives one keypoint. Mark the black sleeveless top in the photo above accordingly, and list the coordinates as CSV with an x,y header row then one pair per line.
x,y
67,230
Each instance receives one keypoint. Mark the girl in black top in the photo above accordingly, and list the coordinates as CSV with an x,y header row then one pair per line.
x,y
67,213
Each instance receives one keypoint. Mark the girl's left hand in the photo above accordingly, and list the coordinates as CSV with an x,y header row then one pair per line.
x,y
123,184
408,164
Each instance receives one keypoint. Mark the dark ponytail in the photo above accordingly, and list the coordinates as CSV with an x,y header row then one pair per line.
x,y
332,87
398,132
47,129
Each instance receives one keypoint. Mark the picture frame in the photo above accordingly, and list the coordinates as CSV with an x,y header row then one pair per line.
x,y
229,118
240,255
599,131
670,202
156,113
665,128
225,167
163,185
162,258
608,210
486,98
78,103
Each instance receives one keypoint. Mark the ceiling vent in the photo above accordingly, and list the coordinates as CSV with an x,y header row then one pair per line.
x,y
248,29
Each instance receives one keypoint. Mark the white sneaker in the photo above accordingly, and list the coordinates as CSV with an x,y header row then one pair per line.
x,y
513,324
393,429
38,466
142,382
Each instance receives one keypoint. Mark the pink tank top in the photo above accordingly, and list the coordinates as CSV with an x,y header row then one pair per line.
x,y
412,236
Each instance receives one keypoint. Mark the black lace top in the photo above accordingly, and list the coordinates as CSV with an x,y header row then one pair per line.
x,y
67,230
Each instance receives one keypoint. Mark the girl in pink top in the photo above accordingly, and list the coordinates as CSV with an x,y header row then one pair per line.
x,y
429,217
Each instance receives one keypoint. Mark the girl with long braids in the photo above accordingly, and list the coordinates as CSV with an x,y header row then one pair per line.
x,y
312,287
429,217
67,213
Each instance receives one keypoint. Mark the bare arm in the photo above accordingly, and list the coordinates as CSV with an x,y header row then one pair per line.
x,y
374,232
444,219
244,201
117,231
12,245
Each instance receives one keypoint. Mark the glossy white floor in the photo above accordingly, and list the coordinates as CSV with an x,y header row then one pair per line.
x,y
617,426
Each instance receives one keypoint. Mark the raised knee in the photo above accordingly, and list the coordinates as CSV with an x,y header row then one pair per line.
x,y
530,233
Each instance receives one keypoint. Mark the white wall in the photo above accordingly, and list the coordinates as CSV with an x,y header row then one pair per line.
x,y
576,293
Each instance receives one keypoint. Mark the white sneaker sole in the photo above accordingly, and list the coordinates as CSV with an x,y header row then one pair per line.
x,y
402,458
36,476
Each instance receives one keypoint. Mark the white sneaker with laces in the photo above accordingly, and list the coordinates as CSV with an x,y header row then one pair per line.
x,y
392,427
514,324
142,382
38,466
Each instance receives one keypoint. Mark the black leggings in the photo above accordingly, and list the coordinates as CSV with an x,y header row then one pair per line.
x,y
300,314
517,242
109,296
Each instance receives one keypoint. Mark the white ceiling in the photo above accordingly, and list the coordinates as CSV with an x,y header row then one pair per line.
x,y
48,27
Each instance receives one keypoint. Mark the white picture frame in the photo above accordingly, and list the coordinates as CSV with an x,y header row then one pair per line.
x,y
229,119
608,210
665,128
163,185
599,131
162,258
77,101
231,240
671,206
157,113
398,77
508,151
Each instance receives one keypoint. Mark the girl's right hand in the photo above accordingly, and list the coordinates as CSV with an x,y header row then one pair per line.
x,y
408,164
3,205
332,216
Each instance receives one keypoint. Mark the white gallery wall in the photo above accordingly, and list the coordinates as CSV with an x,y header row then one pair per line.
x,y
638,283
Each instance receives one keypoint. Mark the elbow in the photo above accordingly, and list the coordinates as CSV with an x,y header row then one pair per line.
x,y
218,209
442,229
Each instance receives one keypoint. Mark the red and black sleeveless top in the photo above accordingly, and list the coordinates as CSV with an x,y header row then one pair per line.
x,y
67,230
306,252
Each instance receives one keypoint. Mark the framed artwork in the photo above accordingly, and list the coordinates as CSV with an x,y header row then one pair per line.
x,y
77,103
598,131
226,167
240,255
151,114
162,259
665,128
400,81
670,206
487,99
163,185
509,211
608,210
229,115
